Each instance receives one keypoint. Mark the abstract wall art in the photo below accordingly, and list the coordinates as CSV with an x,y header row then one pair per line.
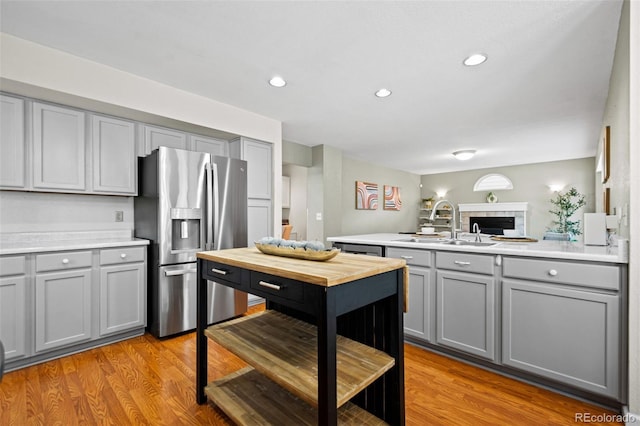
x,y
392,198
366,196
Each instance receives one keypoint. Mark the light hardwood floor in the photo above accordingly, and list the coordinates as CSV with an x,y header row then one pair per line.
x,y
146,381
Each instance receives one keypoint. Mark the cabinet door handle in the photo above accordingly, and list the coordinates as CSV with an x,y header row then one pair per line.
x,y
123,255
407,257
461,263
65,261
553,272
269,285
219,271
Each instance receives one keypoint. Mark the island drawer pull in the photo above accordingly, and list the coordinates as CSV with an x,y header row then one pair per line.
x,y
407,257
461,263
219,271
269,285
553,272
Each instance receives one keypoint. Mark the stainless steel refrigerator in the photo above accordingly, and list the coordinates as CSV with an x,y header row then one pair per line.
x,y
188,202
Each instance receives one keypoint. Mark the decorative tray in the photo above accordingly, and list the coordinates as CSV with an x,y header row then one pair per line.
x,y
298,253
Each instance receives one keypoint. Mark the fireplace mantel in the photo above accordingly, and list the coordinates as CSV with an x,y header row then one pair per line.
x,y
494,207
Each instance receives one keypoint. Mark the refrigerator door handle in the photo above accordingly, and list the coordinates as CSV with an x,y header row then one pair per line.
x,y
177,272
209,201
216,208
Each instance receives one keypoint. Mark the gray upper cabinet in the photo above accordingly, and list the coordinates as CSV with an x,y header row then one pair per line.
x,y
113,143
209,145
155,137
258,156
58,148
12,152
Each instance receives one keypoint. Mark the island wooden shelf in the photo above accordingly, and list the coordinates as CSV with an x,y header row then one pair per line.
x,y
249,398
285,350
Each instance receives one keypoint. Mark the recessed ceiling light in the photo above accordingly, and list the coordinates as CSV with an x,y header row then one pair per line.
x,y
464,154
475,59
277,82
383,93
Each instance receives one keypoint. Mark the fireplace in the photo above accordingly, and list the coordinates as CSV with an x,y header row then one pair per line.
x,y
492,218
493,225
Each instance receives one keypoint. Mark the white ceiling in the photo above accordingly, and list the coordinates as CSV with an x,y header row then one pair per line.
x,y
539,97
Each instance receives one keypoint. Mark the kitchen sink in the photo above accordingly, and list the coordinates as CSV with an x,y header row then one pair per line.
x,y
420,240
468,243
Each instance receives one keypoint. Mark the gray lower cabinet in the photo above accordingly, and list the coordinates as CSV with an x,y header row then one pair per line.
x,y
565,325
122,289
419,320
13,306
62,308
466,303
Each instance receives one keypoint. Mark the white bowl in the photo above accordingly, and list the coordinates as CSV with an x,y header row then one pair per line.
x,y
511,232
428,230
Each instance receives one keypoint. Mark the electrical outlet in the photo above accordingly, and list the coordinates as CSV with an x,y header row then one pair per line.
x,y
318,216
119,216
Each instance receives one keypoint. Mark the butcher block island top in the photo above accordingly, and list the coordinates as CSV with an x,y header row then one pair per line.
x,y
345,267
327,350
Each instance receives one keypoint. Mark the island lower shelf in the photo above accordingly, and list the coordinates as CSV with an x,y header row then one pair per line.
x,y
249,398
284,350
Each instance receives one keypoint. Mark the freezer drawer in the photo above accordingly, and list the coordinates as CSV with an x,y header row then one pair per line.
x,y
175,310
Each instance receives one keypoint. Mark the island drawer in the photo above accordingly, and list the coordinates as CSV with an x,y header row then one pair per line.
x,y
232,274
121,255
457,261
63,260
279,287
574,273
12,265
413,257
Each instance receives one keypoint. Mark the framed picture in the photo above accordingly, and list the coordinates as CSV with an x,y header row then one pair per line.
x,y
606,154
392,198
606,201
366,196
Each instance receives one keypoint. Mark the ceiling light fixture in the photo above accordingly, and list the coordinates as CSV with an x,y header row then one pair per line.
x,y
475,59
383,93
465,154
277,82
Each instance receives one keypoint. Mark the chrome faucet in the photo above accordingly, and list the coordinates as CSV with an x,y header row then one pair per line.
x,y
476,229
432,217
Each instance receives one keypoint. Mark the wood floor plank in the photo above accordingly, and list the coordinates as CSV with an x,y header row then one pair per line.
x,y
146,381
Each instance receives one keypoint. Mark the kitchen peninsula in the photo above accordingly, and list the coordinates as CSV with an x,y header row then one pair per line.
x,y
550,312
342,322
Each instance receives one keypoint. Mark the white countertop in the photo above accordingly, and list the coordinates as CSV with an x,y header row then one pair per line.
x,y
547,249
37,242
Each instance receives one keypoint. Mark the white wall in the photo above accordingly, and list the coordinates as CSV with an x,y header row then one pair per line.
x,y
379,220
51,212
529,184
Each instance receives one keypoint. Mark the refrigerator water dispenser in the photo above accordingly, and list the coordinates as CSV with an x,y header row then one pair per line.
x,y
185,229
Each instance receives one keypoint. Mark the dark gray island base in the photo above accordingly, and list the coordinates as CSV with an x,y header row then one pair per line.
x,y
344,316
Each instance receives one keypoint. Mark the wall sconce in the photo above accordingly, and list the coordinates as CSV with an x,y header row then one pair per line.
x,y
557,187
441,193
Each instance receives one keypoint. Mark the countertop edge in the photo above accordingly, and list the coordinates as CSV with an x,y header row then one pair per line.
x,y
550,250
69,245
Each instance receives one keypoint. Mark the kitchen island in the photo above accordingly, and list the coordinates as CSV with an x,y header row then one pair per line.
x,y
550,312
331,337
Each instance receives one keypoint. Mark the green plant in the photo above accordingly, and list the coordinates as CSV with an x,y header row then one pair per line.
x,y
565,206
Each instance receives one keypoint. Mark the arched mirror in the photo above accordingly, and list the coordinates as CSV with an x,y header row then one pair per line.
x,y
493,181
